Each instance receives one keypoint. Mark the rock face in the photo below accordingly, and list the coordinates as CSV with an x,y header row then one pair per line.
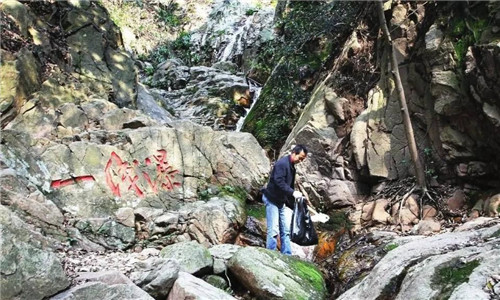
x,y
325,175
30,270
445,84
94,174
205,95
270,275
90,51
151,166
420,269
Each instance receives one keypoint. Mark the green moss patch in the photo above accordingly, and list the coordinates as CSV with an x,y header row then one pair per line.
x,y
390,246
451,274
310,273
257,211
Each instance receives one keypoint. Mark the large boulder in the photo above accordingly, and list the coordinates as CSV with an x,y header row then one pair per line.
x,y
99,172
30,270
193,257
99,290
156,276
429,267
190,287
271,275
325,174
125,160
20,76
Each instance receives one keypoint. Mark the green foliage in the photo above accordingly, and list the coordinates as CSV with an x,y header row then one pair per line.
x,y
256,211
167,14
204,195
235,191
160,54
182,49
149,71
183,41
390,246
250,11
450,275
465,31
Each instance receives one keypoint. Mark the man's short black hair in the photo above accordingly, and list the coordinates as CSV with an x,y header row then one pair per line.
x,y
299,148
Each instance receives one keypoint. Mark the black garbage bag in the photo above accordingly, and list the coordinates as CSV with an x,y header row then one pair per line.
x,y
302,230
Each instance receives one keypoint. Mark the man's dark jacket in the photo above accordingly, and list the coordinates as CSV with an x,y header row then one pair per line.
x,y
279,190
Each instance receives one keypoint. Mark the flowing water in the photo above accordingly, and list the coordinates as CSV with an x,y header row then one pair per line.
x,y
255,88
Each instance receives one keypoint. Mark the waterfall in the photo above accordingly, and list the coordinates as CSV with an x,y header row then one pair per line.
x,y
255,88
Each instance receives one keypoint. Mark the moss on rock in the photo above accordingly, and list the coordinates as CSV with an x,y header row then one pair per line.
x,y
451,274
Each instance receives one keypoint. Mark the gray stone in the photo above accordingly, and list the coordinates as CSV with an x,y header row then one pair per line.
x,y
188,287
147,104
107,232
29,269
107,277
271,275
215,221
426,227
433,38
99,290
125,216
402,259
71,116
221,254
156,276
193,257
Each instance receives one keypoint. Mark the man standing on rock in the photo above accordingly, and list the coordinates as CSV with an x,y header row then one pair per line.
x,y
278,195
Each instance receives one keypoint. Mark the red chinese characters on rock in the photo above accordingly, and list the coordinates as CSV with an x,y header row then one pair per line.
x,y
154,174
56,184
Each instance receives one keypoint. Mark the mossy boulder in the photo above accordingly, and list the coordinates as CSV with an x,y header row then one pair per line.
x,y
193,257
270,275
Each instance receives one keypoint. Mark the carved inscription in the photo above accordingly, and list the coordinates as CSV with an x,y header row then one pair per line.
x,y
152,175
64,182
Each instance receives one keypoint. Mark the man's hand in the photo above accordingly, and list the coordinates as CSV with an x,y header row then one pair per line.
x,y
297,194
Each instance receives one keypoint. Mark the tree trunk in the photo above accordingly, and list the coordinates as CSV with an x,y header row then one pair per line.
x,y
419,168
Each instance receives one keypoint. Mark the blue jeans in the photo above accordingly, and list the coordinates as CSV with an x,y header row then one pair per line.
x,y
278,221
